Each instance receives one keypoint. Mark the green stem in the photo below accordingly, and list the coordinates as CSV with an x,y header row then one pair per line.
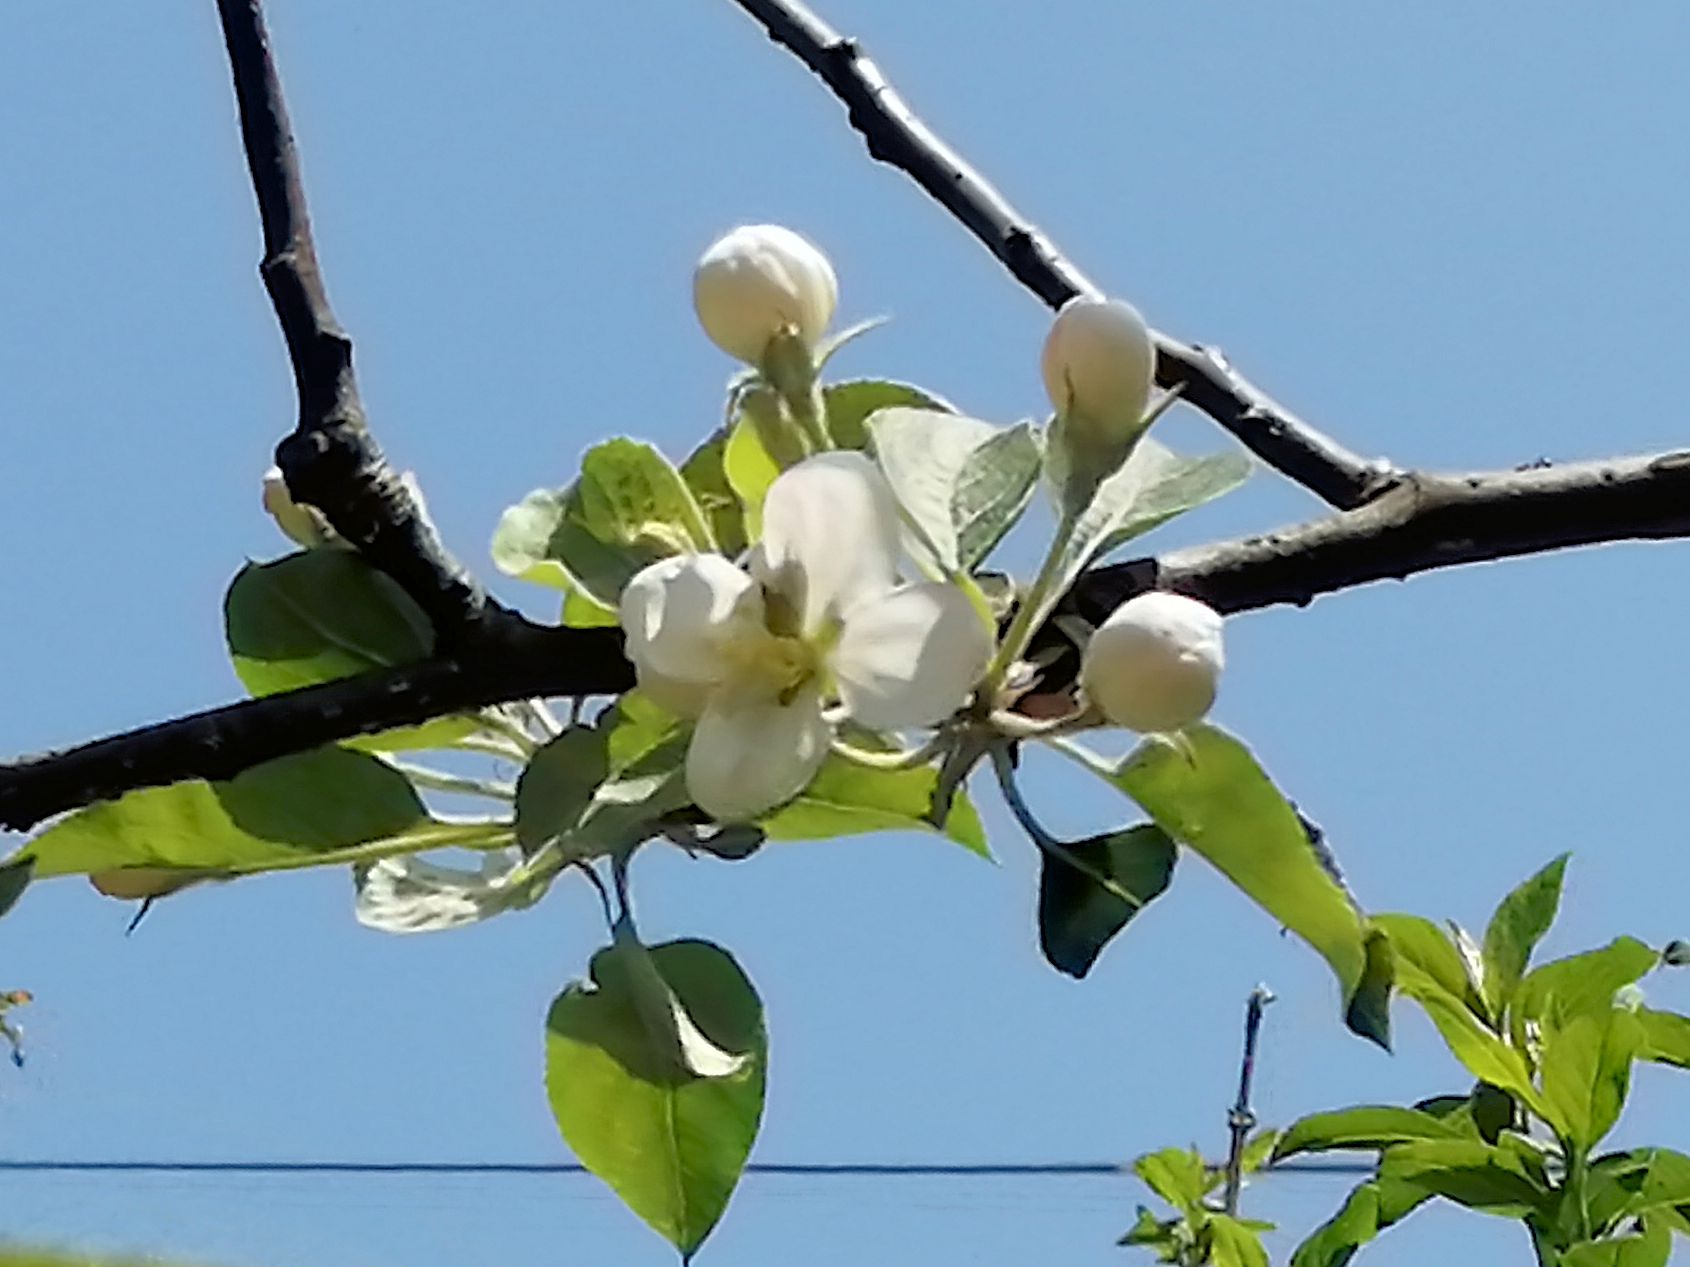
x,y
1049,844
1034,605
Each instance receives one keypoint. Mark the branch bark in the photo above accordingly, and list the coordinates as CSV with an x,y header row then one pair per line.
x,y
895,135
1426,523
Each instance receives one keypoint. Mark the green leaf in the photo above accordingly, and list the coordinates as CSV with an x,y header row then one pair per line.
x,y
1579,983
1258,1151
1477,1175
14,879
705,473
671,1144
1161,1234
846,799
749,471
1368,1126
601,788
993,490
1585,1071
1520,921
1077,915
1665,1039
1423,945
850,403
1233,1243
1159,484
1208,792
1370,1208
318,807
322,615
410,895
629,509
1177,1175
1649,1247
1472,1042
1654,1179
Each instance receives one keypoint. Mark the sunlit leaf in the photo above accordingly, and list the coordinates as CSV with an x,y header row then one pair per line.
x,y
846,799
1649,1247
1585,982
1159,484
750,471
317,807
1520,922
1370,1209
1665,1037
850,403
670,1143
1078,916
1207,791
1233,1243
1368,1127
322,615
1585,1072
1177,1175
1422,944
1471,1173
706,475
993,490
1487,1056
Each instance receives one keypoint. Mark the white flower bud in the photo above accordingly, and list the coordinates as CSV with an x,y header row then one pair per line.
x,y
1099,365
301,524
759,282
1153,666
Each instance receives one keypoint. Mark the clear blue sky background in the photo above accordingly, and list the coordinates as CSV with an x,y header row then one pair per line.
x,y
1452,234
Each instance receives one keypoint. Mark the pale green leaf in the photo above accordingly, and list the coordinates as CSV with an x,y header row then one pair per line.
x,y
672,1145
1207,791
922,453
1585,1072
1369,1127
1422,944
1159,484
750,471
1666,1037
1233,1243
1177,1175
850,403
1584,982
846,799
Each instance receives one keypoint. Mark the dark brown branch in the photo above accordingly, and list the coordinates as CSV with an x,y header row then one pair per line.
x,y
1427,522
1423,523
896,135
331,461
222,742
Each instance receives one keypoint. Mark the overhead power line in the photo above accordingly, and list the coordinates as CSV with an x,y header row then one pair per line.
x,y
871,1169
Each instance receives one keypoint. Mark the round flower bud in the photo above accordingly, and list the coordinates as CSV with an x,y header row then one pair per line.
x,y
1099,365
1153,666
301,524
761,281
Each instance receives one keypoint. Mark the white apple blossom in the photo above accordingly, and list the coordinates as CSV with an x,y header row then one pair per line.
x,y
1099,366
761,281
1154,665
819,630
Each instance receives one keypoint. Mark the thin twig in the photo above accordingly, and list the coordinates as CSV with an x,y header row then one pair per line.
x,y
895,135
1241,1120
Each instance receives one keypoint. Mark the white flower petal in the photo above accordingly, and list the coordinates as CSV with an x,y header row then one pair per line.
x,y
750,752
909,658
679,613
830,536
759,281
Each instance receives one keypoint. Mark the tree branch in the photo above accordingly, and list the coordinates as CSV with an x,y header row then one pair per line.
x,y
895,135
331,461
222,742
1428,522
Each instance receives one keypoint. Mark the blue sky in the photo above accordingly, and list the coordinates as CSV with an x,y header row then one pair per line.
x,y
1450,234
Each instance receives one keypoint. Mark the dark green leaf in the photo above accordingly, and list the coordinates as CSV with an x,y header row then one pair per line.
x,y
1477,1175
1368,1011
1585,1071
1666,1037
706,475
1208,792
1335,1242
1369,1127
846,799
1077,915
670,1143
325,806
14,879
1520,921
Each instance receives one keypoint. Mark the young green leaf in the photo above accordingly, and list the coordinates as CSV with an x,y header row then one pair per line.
x,y
1160,485
1666,1037
922,453
1423,945
1472,1042
319,807
1208,792
1477,1175
750,471
1177,1175
705,473
849,405
1370,1208
1579,983
846,799
1078,916
1650,1246
1369,1127
1234,1243
1585,1071
1520,921
672,1144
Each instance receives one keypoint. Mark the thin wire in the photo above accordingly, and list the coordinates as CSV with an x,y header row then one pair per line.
x,y
882,1169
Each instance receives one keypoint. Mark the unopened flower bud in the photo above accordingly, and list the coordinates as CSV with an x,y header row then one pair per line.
x,y
759,282
1099,365
1153,666
303,525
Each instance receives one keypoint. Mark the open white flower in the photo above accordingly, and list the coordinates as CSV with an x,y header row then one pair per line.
x,y
761,281
1155,664
818,631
